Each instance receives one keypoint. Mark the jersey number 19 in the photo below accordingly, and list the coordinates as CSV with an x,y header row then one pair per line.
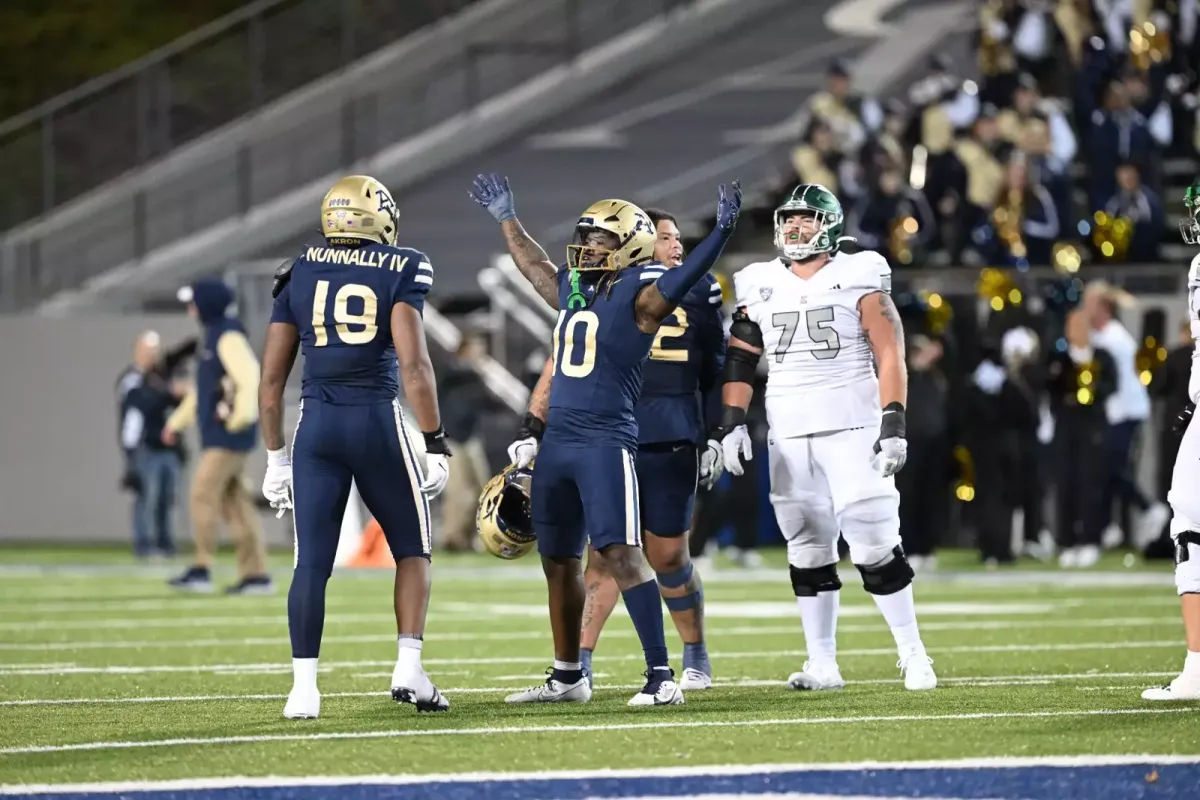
x,y
342,316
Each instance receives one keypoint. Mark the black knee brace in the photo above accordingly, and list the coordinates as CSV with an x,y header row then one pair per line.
x,y
811,582
887,578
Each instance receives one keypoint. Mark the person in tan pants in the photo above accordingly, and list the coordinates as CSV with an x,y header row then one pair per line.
x,y
224,406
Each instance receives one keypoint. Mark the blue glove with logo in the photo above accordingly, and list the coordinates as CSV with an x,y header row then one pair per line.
x,y
728,208
492,192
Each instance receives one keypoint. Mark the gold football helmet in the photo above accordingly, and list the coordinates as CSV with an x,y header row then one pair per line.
x,y
360,207
504,519
611,235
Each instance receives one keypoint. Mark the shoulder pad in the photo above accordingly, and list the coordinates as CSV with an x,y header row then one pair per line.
x,y
868,269
282,276
649,272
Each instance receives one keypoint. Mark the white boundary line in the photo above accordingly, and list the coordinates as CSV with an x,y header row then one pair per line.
x,y
11,670
1000,762
620,633
600,728
971,680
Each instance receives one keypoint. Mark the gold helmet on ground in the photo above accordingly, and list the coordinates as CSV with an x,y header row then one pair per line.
x,y
360,207
504,519
611,235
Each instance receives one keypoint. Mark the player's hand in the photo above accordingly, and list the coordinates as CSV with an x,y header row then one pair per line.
x,y
277,484
169,436
493,193
437,474
890,455
736,448
523,451
729,207
711,464
1183,419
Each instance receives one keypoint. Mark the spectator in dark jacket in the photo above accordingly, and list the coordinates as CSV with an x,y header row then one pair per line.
x,y
925,489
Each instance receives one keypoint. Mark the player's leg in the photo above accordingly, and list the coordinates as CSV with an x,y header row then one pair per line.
x,y
558,521
598,605
800,498
204,500
867,508
388,476
245,527
320,485
1185,531
667,477
609,490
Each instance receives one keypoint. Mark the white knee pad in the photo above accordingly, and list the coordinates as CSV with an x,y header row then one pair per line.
x,y
871,528
1187,573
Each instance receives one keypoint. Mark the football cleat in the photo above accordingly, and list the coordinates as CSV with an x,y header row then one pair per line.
x,y
553,691
1185,687
660,690
817,676
917,669
417,690
194,579
304,702
254,585
695,680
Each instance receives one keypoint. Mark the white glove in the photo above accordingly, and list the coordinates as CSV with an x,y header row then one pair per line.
x,y
712,465
523,451
893,452
437,474
277,485
736,448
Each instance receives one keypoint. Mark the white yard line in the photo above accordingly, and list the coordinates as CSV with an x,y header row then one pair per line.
x,y
598,728
622,633
971,680
141,669
715,770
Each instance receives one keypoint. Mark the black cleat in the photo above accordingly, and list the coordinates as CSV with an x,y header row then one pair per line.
x,y
435,703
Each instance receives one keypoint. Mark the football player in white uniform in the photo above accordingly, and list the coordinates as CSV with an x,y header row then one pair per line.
x,y
827,325
1185,477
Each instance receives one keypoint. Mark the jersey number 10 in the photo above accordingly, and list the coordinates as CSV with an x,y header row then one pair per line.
x,y
342,316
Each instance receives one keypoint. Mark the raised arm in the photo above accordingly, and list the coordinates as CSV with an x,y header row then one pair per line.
x,y
493,193
658,300
885,334
279,355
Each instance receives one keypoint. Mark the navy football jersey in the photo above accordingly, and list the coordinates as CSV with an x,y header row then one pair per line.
x,y
341,297
598,355
685,363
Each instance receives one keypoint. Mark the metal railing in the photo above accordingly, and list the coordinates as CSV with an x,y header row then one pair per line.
x,y
179,196
217,73
520,322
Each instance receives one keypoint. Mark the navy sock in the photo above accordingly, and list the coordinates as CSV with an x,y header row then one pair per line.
x,y
585,661
695,656
306,611
645,609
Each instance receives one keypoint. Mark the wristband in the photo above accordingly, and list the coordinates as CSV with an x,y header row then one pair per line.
x,y
731,417
435,442
278,458
892,426
531,427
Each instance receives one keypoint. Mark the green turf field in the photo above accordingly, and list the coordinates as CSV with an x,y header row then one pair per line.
x,y
105,674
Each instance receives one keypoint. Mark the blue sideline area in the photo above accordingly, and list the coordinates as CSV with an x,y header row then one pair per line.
x,y
1126,782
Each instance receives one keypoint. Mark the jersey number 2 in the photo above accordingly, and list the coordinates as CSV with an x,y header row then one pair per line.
x,y
665,331
342,317
564,343
818,321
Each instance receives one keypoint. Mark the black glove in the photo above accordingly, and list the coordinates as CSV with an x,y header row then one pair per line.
x,y
1183,418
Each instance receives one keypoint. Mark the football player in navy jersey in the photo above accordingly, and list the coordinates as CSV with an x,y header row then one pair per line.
x,y
673,456
612,300
354,307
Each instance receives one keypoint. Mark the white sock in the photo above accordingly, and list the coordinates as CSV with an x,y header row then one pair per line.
x,y
1191,664
818,615
304,672
900,612
408,653
568,666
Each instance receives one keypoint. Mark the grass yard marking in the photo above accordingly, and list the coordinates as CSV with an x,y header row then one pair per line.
x,y
255,641
972,680
600,728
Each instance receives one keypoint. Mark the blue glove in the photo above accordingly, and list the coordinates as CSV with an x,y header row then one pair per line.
x,y
728,208
492,192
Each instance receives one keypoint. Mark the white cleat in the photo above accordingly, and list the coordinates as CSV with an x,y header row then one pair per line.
x,y
694,680
817,676
659,691
1185,687
553,691
416,689
304,702
917,669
